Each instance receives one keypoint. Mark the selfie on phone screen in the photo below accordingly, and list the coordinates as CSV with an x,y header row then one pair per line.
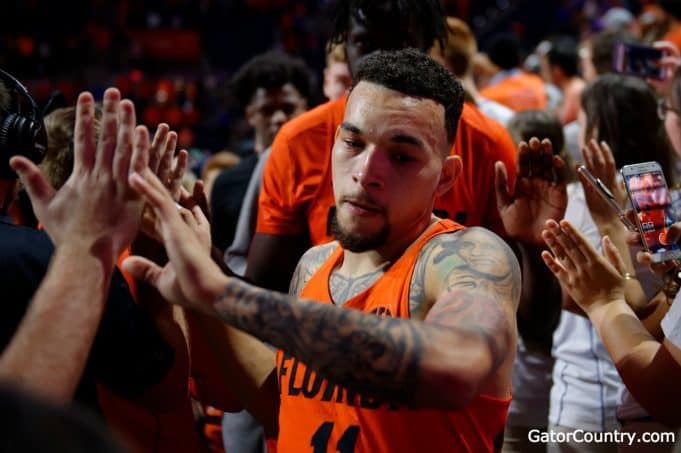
x,y
651,200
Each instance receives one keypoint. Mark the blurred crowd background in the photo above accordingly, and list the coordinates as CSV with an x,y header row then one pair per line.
x,y
174,58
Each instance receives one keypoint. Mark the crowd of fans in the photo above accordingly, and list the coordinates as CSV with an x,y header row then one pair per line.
x,y
411,165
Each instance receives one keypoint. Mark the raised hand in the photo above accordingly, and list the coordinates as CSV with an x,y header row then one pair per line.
x,y
96,207
599,160
539,194
191,278
168,168
591,279
670,62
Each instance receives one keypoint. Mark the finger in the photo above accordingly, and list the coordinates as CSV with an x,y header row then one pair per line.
x,y
560,169
547,160
554,266
668,47
523,160
84,142
199,216
558,248
188,217
202,200
154,192
38,188
598,161
535,156
107,144
673,234
178,173
140,154
164,167
588,158
580,248
644,258
126,140
501,185
608,157
613,255
158,145
143,269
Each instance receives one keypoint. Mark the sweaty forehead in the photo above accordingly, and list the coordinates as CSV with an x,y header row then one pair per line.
x,y
374,108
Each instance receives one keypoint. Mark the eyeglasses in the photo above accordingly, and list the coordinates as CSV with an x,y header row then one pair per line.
x,y
663,108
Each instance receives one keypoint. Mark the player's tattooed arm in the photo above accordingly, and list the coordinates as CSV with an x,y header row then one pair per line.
x,y
426,364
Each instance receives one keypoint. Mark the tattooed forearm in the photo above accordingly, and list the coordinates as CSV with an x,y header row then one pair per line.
x,y
364,352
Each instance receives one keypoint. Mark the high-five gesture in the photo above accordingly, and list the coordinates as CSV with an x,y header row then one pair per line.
x,y
539,194
591,279
96,207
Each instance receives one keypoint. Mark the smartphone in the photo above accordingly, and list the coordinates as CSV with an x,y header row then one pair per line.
x,y
650,198
637,60
608,196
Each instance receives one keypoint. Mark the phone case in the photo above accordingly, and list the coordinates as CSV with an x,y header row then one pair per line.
x,y
650,197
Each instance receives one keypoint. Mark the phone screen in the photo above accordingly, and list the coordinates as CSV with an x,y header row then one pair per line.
x,y
652,203
641,61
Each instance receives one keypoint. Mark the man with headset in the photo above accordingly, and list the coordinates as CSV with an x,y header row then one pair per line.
x,y
60,348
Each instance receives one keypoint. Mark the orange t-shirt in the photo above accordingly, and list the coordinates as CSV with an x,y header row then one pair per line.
x,y
317,413
521,91
297,193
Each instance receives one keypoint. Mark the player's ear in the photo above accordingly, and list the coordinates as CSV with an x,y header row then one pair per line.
x,y
451,169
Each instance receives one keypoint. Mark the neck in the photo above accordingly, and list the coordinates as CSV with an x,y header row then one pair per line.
x,y
469,85
364,262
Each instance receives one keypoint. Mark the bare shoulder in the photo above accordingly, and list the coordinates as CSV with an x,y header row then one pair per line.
x,y
309,264
473,259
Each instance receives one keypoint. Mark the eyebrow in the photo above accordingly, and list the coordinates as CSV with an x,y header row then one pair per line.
x,y
351,128
407,139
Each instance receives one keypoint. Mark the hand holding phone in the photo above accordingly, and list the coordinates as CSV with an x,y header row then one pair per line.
x,y
607,196
638,60
651,200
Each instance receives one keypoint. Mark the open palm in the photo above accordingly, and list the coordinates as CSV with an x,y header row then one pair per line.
x,y
539,194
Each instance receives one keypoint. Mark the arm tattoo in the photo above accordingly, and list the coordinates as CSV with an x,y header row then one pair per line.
x,y
481,278
384,356
364,352
307,266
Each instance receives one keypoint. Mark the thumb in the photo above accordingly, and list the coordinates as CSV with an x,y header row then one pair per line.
x,y
501,185
143,269
39,190
673,234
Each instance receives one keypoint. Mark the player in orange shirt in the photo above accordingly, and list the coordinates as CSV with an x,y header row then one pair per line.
x,y
511,86
411,340
296,199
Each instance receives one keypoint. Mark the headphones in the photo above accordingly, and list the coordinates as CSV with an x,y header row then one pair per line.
x,y
21,134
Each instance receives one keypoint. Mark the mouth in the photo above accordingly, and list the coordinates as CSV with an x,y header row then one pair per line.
x,y
362,207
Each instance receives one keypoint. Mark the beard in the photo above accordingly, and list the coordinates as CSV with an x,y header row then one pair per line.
x,y
358,243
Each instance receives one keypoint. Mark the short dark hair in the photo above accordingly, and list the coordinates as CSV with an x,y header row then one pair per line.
x,y
623,111
563,53
537,123
602,48
271,70
412,72
503,50
429,15
672,7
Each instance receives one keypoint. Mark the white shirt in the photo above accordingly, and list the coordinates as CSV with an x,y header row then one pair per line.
x,y
586,387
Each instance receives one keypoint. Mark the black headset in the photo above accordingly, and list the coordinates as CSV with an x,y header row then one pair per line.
x,y
22,133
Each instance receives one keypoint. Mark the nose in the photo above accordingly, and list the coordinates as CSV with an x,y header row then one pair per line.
x,y
369,168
